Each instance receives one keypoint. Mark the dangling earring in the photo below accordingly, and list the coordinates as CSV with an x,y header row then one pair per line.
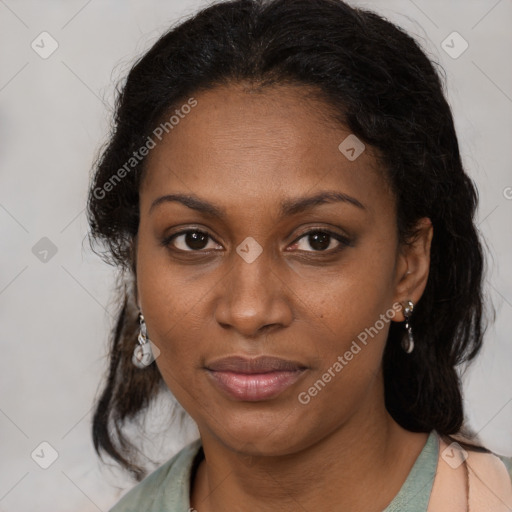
x,y
145,352
408,340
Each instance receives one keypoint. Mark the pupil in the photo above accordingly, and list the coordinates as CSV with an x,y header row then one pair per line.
x,y
196,240
319,241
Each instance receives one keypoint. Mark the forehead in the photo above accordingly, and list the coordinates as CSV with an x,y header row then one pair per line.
x,y
239,146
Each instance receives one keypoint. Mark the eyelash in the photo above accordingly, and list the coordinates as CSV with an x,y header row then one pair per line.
x,y
343,240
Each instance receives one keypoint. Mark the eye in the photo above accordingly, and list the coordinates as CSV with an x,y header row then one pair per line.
x,y
192,240
321,241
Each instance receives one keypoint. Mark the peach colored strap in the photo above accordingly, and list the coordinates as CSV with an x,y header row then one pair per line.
x,y
490,487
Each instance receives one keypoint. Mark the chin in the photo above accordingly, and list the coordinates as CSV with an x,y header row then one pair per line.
x,y
259,433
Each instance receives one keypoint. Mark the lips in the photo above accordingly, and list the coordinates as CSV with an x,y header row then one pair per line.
x,y
261,364
254,379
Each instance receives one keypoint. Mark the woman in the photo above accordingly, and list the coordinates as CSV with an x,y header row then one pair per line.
x,y
284,193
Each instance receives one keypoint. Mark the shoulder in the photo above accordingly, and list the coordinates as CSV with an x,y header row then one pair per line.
x,y
463,466
491,479
479,458
164,490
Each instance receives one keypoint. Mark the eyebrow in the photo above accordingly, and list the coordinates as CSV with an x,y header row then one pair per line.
x,y
288,207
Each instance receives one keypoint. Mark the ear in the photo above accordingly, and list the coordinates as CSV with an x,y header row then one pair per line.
x,y
413,266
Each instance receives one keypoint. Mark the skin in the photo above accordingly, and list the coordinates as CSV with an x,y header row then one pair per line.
x,y
246,151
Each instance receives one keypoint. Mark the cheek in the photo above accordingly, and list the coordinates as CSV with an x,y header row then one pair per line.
x,y
353,297
165,296
165,302
351,315
347,360
179,318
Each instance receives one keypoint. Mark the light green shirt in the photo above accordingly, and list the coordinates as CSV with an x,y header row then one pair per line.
x,y
168,488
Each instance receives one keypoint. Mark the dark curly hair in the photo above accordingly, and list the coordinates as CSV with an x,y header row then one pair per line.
x,y
376,81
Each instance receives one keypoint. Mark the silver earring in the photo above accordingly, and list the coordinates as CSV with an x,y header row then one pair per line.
x,y
408,340
145,351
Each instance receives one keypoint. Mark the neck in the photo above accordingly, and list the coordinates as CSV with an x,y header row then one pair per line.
x,y
359,466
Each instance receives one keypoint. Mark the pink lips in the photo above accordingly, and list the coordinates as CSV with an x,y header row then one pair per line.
x,y
255,379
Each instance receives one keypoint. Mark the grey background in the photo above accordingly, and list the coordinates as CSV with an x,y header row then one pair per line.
x,y
55,314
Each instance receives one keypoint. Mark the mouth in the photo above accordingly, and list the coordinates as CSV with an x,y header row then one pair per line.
x,y
256,379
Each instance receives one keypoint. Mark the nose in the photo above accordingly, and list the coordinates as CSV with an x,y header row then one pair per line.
x,y
254,298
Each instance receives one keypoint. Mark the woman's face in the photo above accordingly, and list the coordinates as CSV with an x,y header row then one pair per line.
x,y
248,280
